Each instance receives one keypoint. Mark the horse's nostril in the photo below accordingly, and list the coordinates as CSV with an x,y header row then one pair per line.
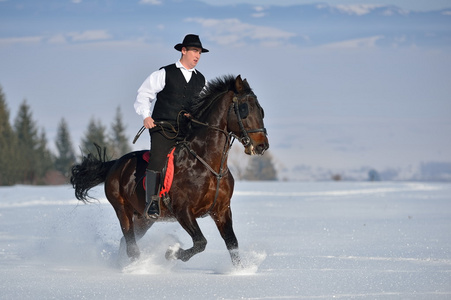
x,y
261,148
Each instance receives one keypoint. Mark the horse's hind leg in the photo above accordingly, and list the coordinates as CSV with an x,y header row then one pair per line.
x,y
126,220
191,226
224,223
141,226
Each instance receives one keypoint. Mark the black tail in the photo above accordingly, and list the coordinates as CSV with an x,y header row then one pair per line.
x,y
91,172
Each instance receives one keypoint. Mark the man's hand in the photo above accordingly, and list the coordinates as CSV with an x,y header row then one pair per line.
x,y
149,123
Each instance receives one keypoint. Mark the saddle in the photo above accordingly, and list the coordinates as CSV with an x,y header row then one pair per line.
x,y
167,173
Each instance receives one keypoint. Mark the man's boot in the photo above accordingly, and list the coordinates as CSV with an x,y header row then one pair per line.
x,y
152,194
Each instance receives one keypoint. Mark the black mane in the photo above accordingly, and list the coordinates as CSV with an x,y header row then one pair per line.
x,y
203,103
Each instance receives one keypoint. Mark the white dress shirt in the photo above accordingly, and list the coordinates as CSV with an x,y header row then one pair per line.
x,y
147,93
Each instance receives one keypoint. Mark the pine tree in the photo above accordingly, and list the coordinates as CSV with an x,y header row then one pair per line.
x,y
66,155
95,134
26,133
8,146
260,168
44,158
118,140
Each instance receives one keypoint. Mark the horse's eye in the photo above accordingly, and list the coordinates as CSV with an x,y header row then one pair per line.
x,y
243,108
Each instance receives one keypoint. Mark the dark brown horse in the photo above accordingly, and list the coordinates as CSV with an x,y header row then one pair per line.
x,y
202,183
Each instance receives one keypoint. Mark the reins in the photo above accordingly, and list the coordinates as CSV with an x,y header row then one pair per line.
x,y
162,126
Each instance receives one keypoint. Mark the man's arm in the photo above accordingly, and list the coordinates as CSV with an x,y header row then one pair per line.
x,y
147,94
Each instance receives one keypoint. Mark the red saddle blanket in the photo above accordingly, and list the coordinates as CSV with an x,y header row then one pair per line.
x,y
168,173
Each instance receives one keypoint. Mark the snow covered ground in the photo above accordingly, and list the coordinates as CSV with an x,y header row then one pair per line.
x,y
316,240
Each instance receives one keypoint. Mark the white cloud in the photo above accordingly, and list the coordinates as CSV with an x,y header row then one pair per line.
x,y
236,33
363,9
369,42
395,10
357,9
20,40
90,35
76,1
151,2
57,39
85,36
259,12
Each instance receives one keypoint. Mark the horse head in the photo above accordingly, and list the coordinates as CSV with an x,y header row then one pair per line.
x,y
245,119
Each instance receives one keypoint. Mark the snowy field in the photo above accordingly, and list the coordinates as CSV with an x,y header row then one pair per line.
x,y
318,240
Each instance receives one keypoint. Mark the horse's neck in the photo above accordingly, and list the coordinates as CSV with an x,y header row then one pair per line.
x,y
209,142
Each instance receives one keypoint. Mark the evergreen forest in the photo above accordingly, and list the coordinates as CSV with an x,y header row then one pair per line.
x,y
25,157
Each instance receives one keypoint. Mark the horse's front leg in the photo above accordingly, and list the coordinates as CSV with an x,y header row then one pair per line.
x,y
191,226
223,220
141,225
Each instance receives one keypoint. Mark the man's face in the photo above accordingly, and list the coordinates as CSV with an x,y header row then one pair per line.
x,y
190,57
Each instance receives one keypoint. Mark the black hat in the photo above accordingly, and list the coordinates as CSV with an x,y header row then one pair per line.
x,y
190,40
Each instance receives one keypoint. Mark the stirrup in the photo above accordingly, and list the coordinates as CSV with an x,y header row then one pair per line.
x,y
152,209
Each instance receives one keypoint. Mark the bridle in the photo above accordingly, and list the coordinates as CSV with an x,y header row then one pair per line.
x,y
241,112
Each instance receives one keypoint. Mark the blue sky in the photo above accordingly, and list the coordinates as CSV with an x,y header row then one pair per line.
x,y
340,93
424,5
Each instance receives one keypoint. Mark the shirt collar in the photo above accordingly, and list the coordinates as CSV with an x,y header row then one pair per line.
x,y
179,65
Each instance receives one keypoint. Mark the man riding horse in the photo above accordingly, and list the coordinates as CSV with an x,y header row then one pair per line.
x,y
161,97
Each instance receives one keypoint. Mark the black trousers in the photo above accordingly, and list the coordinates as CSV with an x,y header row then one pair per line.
x,y
160,146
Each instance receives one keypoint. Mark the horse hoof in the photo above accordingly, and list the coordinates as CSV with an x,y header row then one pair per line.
x,y
237,264
172,252
133,253
236,260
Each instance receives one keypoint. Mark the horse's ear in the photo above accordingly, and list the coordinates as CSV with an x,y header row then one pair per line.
x,y
246,85
239,84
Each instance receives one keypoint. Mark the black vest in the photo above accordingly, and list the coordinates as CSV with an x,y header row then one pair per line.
x,y
177,94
